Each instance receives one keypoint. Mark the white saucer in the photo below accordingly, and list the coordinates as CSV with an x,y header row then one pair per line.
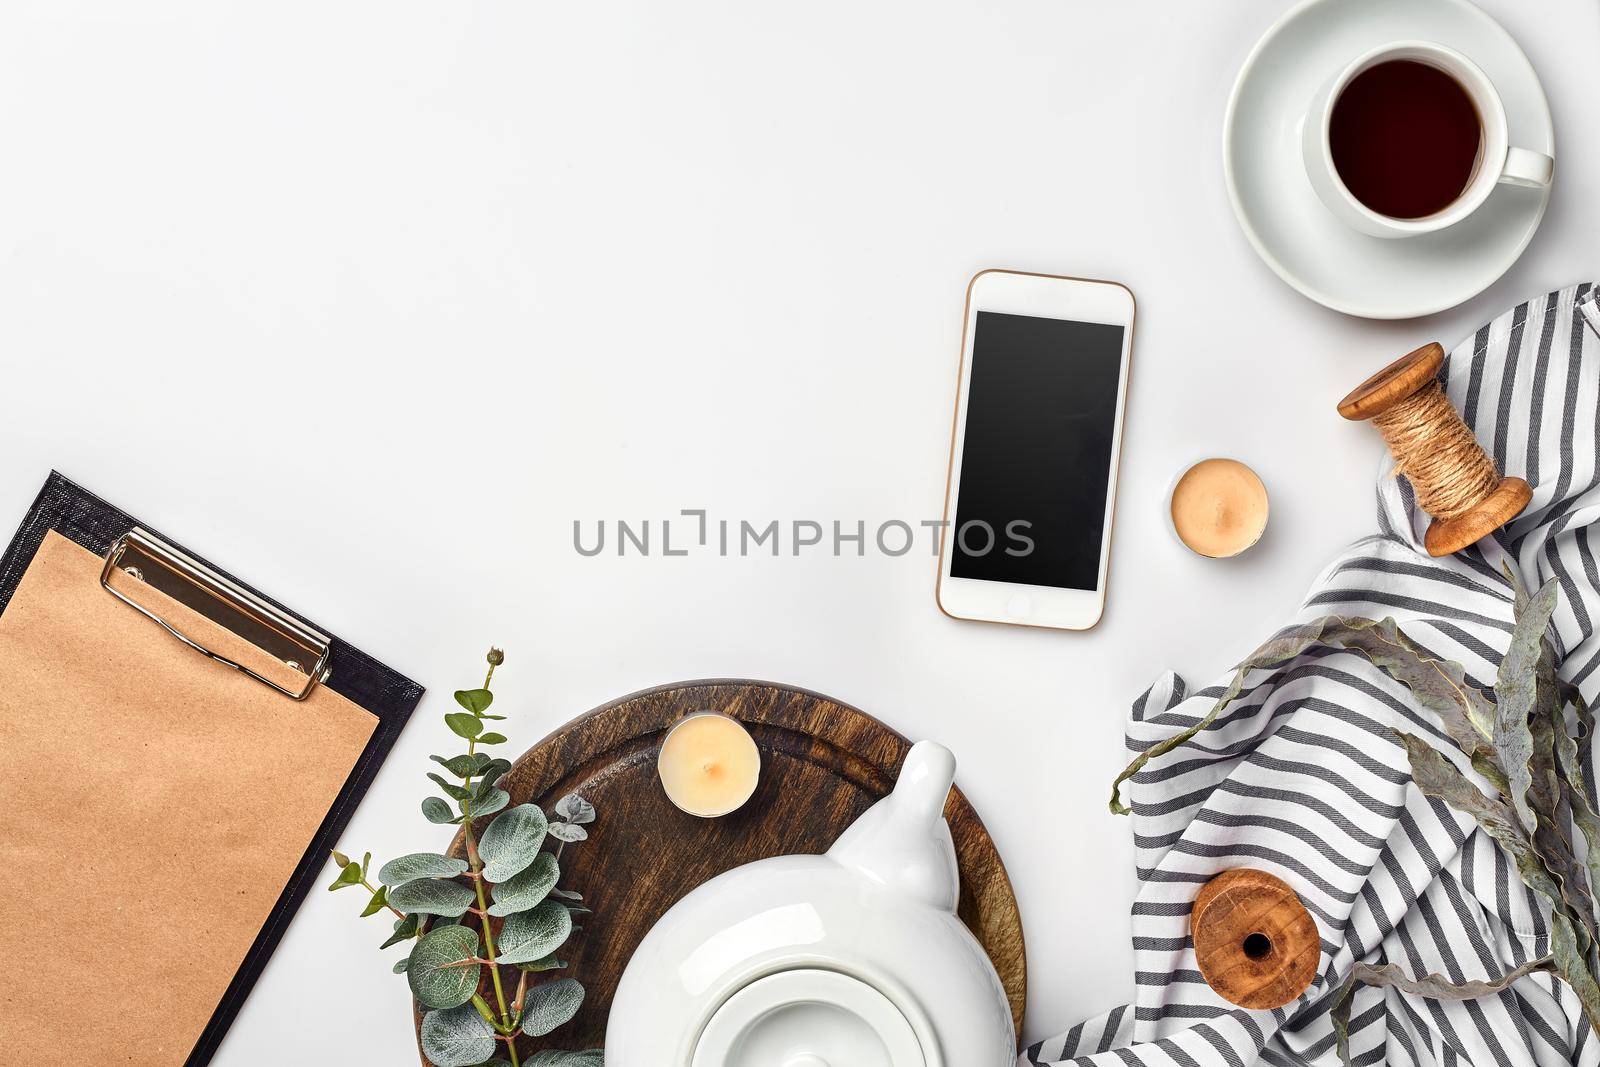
x,y
1289,226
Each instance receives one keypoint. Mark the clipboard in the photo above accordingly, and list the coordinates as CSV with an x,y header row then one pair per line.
x,y
181,754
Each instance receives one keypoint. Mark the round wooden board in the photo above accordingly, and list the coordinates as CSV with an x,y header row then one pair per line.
x,y
823,764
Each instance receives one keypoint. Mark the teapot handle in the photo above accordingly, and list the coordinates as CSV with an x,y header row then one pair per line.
x,y
925,781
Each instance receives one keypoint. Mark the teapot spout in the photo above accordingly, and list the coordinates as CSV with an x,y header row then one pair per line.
x,y
903,842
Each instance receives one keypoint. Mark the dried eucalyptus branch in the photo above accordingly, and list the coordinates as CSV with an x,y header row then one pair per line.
x,y
1519,742
505,889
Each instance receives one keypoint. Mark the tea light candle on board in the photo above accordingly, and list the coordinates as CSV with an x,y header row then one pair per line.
x,y
708,764
1219,507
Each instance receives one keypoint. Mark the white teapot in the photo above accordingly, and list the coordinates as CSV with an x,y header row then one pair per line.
x,y
854,958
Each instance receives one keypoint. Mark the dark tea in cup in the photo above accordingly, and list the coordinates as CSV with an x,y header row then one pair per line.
x,y
1406,138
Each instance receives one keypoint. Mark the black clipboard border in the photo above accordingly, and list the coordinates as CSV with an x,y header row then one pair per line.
x,y
82,517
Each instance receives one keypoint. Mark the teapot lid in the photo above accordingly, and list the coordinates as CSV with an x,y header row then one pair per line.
x,y
808,1018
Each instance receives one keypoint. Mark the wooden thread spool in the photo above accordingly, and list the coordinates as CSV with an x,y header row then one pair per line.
x,y
1256,944
1455,479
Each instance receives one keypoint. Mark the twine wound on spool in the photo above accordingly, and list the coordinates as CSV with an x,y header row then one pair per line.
x,y
1454,478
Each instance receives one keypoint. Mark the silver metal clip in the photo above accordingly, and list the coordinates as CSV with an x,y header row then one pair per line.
x,y
146,558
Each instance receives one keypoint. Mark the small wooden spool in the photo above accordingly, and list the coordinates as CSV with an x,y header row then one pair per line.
x,y
1404,377
1256,944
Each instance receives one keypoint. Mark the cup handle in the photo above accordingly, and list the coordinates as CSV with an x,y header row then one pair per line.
x,y
1531,170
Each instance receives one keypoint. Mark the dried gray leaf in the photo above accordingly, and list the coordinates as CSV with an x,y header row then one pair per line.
x,y
1516,690
1437,777
1433,986
526,889
1550,797
408,868
1279,649
1439,684
533,934
1571,768
1572,964
457,1037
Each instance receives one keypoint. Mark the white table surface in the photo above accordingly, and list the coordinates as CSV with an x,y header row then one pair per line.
x,y
370,301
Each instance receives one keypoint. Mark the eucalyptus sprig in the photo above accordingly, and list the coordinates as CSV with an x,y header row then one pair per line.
x,y
481,923
1520,744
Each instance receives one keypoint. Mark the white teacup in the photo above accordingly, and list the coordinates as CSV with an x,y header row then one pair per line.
x,y
1498,161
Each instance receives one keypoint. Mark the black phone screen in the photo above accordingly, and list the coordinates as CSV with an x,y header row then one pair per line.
x,y
1036,464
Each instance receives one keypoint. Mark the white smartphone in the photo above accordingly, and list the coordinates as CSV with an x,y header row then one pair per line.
x,y
1033,456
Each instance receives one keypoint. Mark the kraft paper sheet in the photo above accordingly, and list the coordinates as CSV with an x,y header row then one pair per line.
x,y
153,806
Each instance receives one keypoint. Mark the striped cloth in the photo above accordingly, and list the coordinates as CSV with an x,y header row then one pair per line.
x,y
1302,778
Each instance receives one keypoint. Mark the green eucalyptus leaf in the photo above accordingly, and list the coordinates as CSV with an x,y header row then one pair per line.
x,y
408,868
543,963
512,841
593,1057
476,701
436,810
349,874
568,832
457,1037
379,901
340,860
462,766
492,769
491,738
366,864
405,928
416,865
529,888
565,894
402,964
428,896
491,802
463,725
497,718
573,808
451,790
550,1005
436,974
529,935
1516,690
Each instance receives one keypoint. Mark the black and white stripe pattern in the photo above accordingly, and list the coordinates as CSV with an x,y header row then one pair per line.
x,y
1301,776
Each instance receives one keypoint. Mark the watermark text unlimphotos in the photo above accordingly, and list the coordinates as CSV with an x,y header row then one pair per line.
x,y
693,531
